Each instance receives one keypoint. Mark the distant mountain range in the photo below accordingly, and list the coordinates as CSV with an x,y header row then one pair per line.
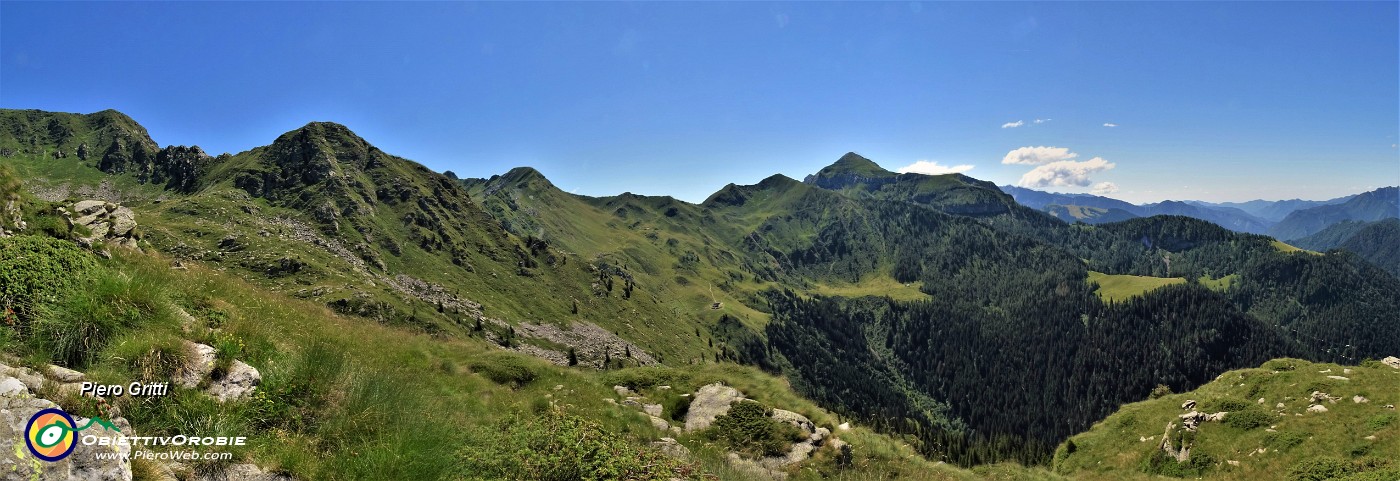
x,y
1282,219
1377,242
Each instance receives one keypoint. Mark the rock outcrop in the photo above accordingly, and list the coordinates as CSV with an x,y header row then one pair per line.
x,y
19,401
1391,361
237,382
709,403
102,222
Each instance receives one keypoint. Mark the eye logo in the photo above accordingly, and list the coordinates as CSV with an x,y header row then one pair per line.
x,y
50,434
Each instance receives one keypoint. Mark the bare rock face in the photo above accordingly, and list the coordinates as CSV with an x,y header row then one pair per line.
x,y
710,402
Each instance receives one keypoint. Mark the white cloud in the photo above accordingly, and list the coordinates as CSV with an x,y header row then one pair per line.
x,y
1065,173
1104,188
1012,125
932,167
1110,125
1038,155
1041,121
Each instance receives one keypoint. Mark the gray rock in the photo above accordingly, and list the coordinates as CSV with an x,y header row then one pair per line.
x,y
658,423
85,207
622,391
123,220
240,381
1391,361
197,366
1317,408
10,386
63,374
17,406
782,415
1190,404
86,466
710,402
652,409
670,447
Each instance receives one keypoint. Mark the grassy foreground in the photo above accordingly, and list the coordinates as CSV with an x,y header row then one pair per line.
x,y
346,398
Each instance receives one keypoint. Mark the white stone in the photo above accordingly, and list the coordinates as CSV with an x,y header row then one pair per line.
x,y
1317,408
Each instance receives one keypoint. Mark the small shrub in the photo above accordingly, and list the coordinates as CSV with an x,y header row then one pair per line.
x,y
1228,405
641,378
1283,440
36,270
1380,421
1320,469
747,428
1248,418
558,446
1159,463
504,369
1160,391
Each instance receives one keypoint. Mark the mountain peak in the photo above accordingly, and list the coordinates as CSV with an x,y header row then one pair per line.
x,y
855,164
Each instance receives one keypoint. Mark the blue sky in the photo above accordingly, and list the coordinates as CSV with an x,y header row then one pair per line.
x,y
1210,101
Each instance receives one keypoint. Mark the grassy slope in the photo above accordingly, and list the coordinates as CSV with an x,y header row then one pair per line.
x,y
1113,449
376,402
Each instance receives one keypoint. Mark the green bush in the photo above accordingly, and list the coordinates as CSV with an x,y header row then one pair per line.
x,y
1380,421
748,428
558,446
1228,405
1320,469
1283,440
1159,463
36,270
504,369
1248,418
640,378
676,406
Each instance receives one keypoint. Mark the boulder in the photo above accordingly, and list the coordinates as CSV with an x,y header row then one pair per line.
x,y
85,207
198,365
710,402
1392,361
240,381
670,447
652,409
1190,404
1359,399
782,415
1317,408
658,423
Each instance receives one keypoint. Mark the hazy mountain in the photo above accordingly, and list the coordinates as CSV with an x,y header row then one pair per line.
x,y
1377,242
1379,204
1230,218
1274,210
